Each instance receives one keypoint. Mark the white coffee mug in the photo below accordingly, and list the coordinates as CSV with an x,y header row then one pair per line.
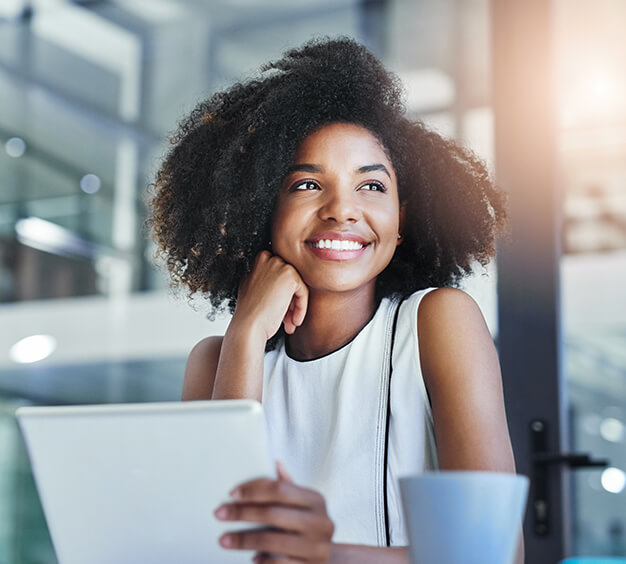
x,y
462,517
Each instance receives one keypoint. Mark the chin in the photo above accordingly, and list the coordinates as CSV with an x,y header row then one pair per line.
x,y
337,285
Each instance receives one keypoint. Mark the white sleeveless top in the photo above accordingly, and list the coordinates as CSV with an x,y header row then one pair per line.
x,y
326,420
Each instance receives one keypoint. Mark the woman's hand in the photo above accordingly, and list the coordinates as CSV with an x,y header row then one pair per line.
x,y
299,527
273,293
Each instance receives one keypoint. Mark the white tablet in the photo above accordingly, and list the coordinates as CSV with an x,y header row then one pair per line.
x,y
138,483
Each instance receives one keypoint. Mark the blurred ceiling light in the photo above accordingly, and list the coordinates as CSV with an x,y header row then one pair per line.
x,y
33,348
52,238
612,430
90,183
427,89
613,480
15,147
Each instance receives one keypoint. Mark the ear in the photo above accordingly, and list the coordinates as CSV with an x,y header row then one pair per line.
x,y
401,223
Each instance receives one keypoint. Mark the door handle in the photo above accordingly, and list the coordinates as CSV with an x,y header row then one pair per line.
x,y
573,460
541,459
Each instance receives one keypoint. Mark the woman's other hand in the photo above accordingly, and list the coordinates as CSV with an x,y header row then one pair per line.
x,y
273,293
299,529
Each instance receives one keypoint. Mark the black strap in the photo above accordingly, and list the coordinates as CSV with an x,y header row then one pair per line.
x,y
386,455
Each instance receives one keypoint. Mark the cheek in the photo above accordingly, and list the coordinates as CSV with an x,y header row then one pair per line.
x,y
390,223
284,225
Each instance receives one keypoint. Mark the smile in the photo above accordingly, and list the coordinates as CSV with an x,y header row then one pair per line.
x,y
337,245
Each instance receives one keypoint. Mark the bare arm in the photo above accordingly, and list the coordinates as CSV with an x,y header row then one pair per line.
x,y
229,367
201,368
462,374
239,372
232,367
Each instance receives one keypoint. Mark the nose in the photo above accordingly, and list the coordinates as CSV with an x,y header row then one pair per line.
x,y
340,206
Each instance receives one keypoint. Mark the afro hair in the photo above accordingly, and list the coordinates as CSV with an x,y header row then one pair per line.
x,y
213,197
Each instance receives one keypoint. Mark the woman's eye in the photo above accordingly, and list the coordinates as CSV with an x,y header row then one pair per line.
x,y
374,187
308,185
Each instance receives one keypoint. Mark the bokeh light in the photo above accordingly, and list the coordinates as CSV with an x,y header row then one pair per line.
x,y
33,348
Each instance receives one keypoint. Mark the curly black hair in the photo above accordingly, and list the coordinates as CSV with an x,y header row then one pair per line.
x,y
213,197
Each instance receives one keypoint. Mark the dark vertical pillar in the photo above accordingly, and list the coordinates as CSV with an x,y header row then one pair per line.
x,y
529,338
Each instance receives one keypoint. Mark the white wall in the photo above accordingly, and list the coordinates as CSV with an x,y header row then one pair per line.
x,y
142,326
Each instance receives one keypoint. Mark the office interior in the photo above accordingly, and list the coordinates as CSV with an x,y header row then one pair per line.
x,y
90,89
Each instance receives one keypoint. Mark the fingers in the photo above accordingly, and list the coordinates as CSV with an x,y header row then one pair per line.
x,y
282,473
287,519
297,306
272,292
300,302
288,323
265,558
277,542
298,528
280,492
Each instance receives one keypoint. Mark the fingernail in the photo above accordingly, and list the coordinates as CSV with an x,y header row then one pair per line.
x,y
226,541
221,512
236,494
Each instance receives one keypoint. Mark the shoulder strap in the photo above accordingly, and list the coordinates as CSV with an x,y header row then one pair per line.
x,y
386,453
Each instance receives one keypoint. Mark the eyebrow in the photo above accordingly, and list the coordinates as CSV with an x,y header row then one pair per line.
x,y
314,168
304,168
374,167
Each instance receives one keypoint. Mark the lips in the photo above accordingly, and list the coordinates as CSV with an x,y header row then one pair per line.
x,y
333,245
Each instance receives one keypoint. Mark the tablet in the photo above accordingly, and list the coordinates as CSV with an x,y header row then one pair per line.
x,y
138,483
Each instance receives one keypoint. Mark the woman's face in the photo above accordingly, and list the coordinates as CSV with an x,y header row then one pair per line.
x,y
337,215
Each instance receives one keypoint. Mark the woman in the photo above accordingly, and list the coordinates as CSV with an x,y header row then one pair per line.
x,y
308,205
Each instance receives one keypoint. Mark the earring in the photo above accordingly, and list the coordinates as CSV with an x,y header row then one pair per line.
x,y
399,235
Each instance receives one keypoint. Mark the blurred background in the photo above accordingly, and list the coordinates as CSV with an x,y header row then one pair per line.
x,y
88,93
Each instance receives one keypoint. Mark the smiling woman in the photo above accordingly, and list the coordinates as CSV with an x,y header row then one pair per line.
x,y
340,190
326,221
214,197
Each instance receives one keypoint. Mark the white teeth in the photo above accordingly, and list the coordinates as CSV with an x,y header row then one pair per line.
x,y
337,245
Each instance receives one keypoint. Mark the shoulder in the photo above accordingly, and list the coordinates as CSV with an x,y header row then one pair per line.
x,y
201,368
206,349
447,304
436,310
453,335
462,375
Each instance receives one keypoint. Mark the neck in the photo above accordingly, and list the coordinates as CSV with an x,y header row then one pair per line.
x,y
332,319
